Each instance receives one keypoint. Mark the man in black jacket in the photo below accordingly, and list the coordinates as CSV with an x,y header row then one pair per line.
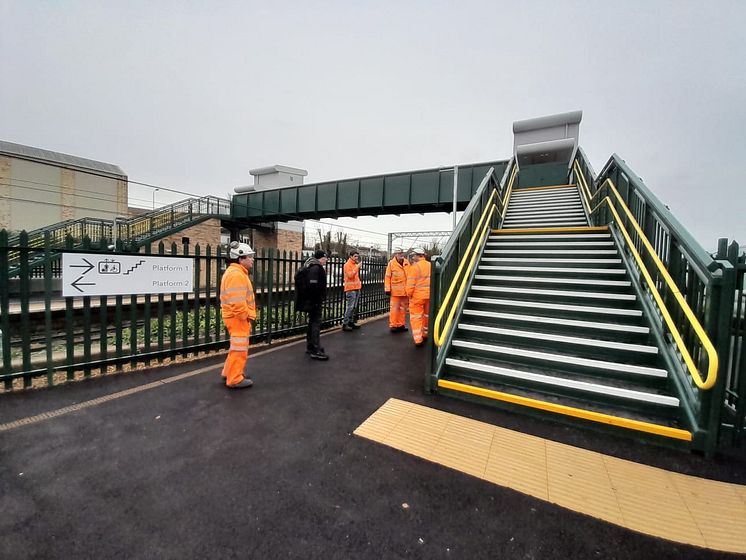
x,y
313,302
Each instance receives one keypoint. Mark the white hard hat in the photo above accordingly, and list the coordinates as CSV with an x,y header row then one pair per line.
x,y
237,250
418,251
398,250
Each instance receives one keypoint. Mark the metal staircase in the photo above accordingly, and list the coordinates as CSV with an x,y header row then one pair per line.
x,y
133,231
551,322
587,303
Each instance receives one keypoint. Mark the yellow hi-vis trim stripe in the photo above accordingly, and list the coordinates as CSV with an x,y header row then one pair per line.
x,y
599,417
524,189
577,229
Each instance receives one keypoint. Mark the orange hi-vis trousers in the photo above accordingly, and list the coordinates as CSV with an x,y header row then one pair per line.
x,y
235,363
398,311
419,315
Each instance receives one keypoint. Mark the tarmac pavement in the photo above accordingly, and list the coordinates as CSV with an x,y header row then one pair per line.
x,y
189,469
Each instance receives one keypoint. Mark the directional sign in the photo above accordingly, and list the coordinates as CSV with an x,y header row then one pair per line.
x,y
100,274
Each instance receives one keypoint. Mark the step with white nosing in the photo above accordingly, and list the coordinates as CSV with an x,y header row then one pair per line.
x,y
612,311
554,280
595,325
595,388
557,219
564,359
619,271
564,236
544,205
542,215
558,261
556,293
549,244
576,340
566,191
536,224
550,252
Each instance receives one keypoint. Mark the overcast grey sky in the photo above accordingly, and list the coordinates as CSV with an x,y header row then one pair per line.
x,y
191,95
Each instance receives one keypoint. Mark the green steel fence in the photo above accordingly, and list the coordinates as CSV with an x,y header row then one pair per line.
x,y
47,336
734,407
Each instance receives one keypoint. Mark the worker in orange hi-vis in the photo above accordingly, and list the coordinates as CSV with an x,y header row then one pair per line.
x,y
352,289
395,285
418,291
238,308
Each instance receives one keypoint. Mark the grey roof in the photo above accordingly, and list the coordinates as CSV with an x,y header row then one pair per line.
x,y
280,168
60,160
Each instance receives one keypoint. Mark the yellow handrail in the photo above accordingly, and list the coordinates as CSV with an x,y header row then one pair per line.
x,y
712,356
439,337
505,199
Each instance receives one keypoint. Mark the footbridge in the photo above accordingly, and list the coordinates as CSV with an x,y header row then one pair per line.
x,y
562,292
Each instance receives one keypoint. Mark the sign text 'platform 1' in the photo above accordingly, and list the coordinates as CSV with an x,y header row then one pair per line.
x,y
99,274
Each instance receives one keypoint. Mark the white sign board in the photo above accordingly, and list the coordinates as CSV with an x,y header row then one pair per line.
x,y
100,274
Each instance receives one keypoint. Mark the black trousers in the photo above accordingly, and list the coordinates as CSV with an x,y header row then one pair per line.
x,y
313,334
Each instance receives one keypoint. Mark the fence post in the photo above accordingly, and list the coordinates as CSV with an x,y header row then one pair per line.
x,y
269,288
718,321
5,309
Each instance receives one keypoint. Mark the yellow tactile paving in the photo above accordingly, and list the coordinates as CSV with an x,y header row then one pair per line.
x,y
653,501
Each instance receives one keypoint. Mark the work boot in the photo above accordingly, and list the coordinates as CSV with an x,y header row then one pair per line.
x,y
243,384
309,351
346,327
319,356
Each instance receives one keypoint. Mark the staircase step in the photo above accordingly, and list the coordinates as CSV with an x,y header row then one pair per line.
x,y
559,309
537,220
533,195
550,252
549,243
548,236
579,282
550,213
620,272
593,365
550,205
573,410
563,294
539,262
544,224
557,339
559,323
582,387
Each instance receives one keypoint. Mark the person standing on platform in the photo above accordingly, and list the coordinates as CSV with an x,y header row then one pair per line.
x,y
352,286
395,285
418,291
238,308
310,286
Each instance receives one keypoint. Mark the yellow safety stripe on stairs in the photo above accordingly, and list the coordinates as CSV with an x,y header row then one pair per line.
x,y
576,229
647,427
653,501
524,189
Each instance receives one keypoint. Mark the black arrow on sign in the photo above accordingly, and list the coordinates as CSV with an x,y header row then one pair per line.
x,y
88,268
79,283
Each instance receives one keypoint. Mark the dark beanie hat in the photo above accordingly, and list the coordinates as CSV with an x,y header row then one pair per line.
x,y
319,254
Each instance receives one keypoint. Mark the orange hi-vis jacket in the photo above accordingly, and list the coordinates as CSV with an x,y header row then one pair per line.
x,y
395,280
237,294
418,280
352,276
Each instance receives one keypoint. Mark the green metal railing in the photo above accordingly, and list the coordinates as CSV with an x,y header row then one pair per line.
x,y
135,231
52,339
704,283
734,362
446,265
